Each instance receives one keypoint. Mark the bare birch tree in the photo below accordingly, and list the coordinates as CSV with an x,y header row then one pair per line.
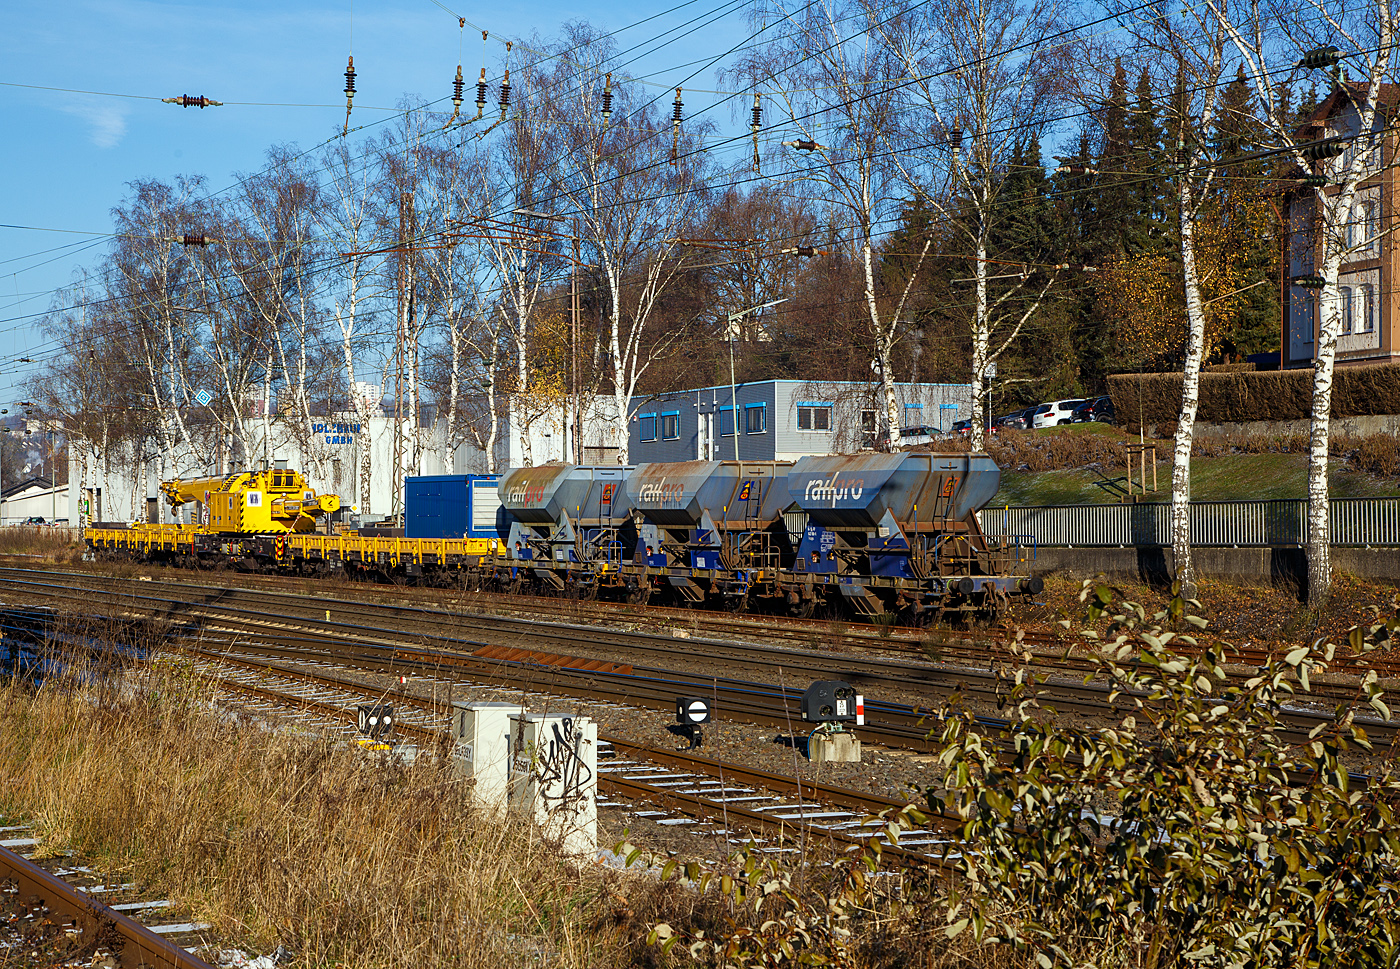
x,y
636,185
278,208
1342,148
984,79
831,77
151,281
453,272
1190,48
347,221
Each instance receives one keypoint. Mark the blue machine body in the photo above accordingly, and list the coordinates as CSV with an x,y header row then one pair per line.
x,y
450,506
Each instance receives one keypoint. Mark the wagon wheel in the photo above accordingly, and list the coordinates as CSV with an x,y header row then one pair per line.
x,y
640,595
805,609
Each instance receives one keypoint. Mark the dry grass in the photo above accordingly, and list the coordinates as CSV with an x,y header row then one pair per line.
x,y
294,840
279,838
55,544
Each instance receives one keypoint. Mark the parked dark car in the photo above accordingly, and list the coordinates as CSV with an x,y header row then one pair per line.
x,y
965,427
1098,409
1017,420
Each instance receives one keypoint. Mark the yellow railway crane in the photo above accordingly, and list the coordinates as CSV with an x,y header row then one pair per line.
x,y
271,502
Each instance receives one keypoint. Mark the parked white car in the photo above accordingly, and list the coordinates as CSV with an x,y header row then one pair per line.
x,y
1056,412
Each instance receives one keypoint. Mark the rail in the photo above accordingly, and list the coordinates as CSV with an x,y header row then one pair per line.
x,y
1363,522
91,925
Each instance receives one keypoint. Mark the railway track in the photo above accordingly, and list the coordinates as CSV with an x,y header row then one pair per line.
x,y
82,921
515,652
1053,648
718,796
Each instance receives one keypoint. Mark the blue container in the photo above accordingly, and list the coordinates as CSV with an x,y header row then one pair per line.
x,y
450,506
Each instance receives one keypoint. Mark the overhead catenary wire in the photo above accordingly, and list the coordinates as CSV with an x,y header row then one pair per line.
x,y
1049,195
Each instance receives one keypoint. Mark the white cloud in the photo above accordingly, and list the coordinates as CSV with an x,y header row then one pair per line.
x,y
107,117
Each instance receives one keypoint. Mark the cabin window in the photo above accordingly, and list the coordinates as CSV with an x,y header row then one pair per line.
x,y
755,418
814,417
726,422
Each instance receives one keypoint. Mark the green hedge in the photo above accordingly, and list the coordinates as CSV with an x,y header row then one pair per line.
x,y
1278,395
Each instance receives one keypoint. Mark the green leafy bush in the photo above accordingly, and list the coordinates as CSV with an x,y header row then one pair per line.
x,y
1195,832
1198,830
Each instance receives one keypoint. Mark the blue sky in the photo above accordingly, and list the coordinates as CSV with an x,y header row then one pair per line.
x,y
67,157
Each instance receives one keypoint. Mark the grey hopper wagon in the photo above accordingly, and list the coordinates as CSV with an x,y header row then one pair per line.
x,y
712,526
895,532
569,520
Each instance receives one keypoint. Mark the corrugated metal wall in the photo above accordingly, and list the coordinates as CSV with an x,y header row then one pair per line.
x,y
1214,524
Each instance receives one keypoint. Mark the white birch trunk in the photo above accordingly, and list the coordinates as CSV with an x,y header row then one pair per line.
x,y
981,337
1319,541
883,342
363,441
1190,395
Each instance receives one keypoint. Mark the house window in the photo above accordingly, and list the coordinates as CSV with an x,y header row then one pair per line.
x,y
1346,309
814,417
755,418
867,421
670,425
647,427
1372,212
1368,308
913,415
726,422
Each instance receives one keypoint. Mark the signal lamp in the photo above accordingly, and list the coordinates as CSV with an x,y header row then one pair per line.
x,y
374,720
691,712
833,701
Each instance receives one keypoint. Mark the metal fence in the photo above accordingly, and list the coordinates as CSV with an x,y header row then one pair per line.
x,y
1214,524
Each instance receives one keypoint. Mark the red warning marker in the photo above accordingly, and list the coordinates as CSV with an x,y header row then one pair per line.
x,y
860,710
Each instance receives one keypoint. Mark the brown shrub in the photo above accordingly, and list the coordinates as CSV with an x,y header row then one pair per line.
x,y
1038,451
1377,454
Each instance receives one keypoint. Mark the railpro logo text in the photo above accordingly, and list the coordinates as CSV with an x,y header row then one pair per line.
x,y
661,492
834,489
525,493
